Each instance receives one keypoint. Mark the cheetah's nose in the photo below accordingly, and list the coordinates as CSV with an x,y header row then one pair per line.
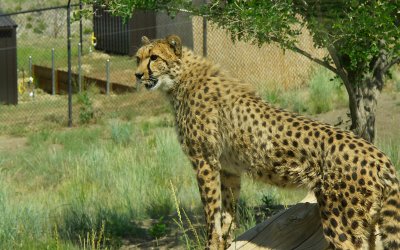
x,y
139,75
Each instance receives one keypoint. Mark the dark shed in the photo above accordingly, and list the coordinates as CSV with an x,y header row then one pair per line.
x,y
113,35
8,61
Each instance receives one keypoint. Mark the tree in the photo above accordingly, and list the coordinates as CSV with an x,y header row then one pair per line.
x,y
362,38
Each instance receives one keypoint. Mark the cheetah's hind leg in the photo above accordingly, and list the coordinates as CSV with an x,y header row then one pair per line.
x,y
340,217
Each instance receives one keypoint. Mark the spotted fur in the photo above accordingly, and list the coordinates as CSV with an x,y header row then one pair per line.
x,y
227,130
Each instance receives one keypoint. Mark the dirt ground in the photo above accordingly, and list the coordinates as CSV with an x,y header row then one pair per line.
x,y
8,143
387,116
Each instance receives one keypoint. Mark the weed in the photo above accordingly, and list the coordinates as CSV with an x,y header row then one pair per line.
x,y
246,216
179,222
272,96
55,118
86,112
163,207
199,243
158,229
294,101
121,132
324,89
56,237
93,240
269,200
392,148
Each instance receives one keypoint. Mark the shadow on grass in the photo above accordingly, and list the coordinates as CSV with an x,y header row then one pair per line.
x,y
117,226
162,229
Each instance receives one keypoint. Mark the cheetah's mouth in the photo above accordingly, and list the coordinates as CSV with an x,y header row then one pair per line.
x,y
151,84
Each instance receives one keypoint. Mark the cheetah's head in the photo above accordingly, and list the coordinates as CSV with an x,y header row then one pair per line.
x,y
158,61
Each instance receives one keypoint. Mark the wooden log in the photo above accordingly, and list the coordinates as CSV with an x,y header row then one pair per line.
x,y
298,227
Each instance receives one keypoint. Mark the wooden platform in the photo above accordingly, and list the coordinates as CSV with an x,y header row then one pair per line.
x,y
298,227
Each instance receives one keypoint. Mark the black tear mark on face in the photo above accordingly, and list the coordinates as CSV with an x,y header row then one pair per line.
x,y
153,57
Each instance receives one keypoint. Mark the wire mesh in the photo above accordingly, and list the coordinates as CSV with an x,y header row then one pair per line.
x,y
42,65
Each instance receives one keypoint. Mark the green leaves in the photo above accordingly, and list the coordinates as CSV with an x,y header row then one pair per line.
x,y
256,21
360,30
125,8
366,30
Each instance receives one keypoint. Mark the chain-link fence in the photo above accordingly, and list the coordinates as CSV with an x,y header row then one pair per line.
x,y
103,63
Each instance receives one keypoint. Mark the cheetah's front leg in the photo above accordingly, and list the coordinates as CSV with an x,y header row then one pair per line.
x,y
208,178
230,188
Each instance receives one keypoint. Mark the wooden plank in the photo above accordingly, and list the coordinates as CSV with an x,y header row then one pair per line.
x,y
42,76
298,227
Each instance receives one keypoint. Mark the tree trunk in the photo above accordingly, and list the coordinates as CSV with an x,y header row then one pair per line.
x,y
363,98
363,90
363,107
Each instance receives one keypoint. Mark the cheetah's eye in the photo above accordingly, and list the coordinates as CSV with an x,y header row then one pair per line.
x,y
153,57
137,60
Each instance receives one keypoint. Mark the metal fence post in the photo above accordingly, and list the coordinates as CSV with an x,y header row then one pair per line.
x,y
69,64
108,76
79,67
30,66
80,23
205,34
53,78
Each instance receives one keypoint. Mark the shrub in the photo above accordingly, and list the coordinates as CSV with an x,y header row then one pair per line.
x,y
86,112
325,90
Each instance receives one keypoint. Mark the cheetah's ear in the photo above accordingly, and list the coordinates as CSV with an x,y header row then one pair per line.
x,y
175,43
145,40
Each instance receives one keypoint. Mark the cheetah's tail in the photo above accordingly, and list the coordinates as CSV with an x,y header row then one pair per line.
x,y
390,219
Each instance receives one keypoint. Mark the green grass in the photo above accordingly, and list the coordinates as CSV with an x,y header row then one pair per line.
x,y
46,111
42,55
79,178
88,179
67,184
326,92
323,93
391,146
116,174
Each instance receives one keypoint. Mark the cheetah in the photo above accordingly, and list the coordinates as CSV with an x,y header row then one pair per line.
x,y
227,130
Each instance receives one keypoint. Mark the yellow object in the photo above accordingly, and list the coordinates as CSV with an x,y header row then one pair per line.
x,y
94,41
21,87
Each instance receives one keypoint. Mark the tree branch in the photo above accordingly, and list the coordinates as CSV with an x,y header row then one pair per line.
x,y
390,64
344,76
340,71
314,59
